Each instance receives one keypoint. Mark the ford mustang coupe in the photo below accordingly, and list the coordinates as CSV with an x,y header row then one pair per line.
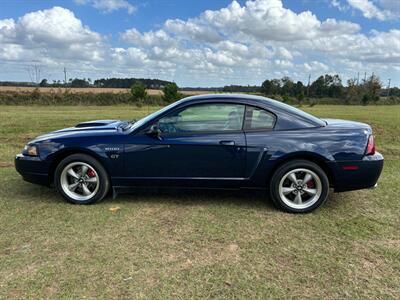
x,y
209,141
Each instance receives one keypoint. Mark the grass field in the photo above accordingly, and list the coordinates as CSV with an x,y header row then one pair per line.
x,y
150,92
195,244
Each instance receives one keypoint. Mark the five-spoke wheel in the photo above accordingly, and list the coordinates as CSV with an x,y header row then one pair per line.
x,y
81,179
299,186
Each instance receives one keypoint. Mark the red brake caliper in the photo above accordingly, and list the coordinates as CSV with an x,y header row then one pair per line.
x,y
91,173
310,184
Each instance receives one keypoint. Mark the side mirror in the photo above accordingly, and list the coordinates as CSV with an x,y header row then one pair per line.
x,y
154,132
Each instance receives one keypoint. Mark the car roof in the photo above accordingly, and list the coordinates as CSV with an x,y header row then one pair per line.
x,y
224,96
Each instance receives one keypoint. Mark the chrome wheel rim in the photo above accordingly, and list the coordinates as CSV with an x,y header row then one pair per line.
x,y
300,188
79,181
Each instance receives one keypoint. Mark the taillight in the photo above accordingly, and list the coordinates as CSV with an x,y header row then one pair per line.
x,y
370,146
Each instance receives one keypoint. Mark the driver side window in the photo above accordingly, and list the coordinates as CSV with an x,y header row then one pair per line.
x,y
215,117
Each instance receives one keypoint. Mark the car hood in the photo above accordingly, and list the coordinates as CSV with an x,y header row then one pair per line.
x,y
90,128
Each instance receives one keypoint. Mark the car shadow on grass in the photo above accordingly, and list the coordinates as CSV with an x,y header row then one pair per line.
x,y
243,198
254,199
196,197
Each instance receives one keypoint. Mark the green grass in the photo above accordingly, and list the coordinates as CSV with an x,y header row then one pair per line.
x,y
195,244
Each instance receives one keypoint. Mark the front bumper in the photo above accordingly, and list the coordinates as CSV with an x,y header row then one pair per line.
x,y
360,174
32,169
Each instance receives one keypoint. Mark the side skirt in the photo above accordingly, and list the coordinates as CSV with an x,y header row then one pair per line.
x,y
130,189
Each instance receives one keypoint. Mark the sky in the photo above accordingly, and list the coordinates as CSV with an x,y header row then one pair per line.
x,y
200,43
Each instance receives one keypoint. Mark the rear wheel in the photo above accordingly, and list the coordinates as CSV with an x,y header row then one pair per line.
x,y
81,179
299,186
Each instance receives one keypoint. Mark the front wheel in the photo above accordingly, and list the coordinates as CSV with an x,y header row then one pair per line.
x,y
299,186
81,179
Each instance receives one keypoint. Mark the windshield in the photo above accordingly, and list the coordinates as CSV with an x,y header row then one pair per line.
x,y
153,115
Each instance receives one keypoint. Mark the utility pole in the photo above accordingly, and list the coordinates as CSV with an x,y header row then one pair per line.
x,y
388,88
308,85
65,76
365,77
358,78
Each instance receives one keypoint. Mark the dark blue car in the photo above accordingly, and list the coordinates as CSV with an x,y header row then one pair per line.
x,y
210,141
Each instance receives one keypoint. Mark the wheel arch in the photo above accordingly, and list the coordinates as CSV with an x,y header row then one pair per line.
x,y
319,160
60,155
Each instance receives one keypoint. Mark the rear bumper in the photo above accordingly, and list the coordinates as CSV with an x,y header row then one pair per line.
x,y
32,169
360,174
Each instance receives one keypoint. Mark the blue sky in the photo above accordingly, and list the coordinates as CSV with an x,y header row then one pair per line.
x,y
200,43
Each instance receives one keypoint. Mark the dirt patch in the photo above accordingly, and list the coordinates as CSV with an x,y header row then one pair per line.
x,y
5,164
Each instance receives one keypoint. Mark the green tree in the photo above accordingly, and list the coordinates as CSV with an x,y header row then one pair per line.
x,y
270,87
43,82
300,98
365,99
373,86
327,86
287,86
267,88
138,91
79,82
298,89
317,88
334,84
352,92
170,92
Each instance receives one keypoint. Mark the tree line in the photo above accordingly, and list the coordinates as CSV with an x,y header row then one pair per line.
x,y
326,86
128,82
104,83
365,91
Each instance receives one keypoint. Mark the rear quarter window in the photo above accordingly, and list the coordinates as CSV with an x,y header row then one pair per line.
x,y
259,119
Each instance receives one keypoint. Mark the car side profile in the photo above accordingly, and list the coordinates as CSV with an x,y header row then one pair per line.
x,y
209,141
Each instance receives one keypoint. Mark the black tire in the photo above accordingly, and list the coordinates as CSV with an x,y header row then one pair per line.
x,y
282,201
101,175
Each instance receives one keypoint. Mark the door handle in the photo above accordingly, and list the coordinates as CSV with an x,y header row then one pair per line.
x,y
227,143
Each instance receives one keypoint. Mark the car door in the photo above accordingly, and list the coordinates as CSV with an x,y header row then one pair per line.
x,y
261,142
200,144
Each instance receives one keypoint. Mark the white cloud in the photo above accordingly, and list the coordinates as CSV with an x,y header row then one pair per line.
x,y
237,44
193,30
56,26
268,20
129,57
315,66
54,33
266,36
339,5
11,52
108,6
7,27
151,38
390,9
284,53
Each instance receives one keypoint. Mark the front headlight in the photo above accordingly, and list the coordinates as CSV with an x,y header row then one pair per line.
x,y
30,150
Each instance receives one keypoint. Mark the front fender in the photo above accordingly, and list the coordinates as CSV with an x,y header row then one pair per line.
x,y
109,156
